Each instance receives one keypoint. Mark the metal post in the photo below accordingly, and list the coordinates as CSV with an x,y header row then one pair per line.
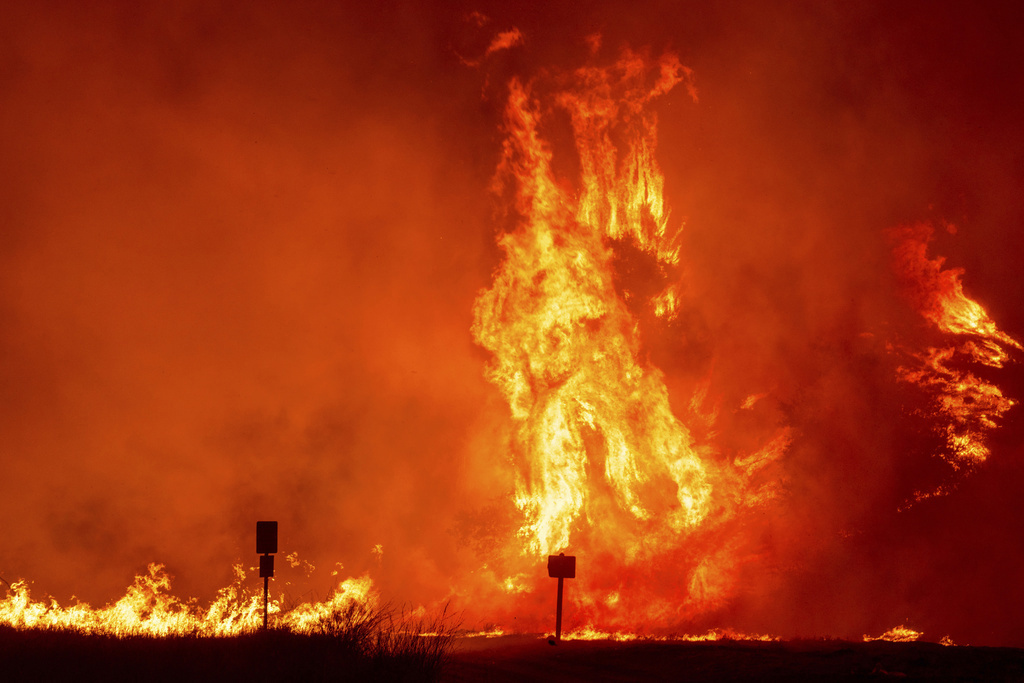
x,y
558,611
560,567
266,583
266,546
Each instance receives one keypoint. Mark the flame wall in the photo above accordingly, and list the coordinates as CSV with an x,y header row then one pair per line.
x,y
241,248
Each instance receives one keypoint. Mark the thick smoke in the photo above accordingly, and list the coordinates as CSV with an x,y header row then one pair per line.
x,y
240,249
240,252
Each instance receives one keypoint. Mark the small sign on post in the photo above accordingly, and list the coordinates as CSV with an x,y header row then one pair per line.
x,y
562,567
266,538
266,546
266,566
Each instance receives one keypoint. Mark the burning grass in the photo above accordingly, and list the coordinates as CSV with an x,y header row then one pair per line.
x,y
357,641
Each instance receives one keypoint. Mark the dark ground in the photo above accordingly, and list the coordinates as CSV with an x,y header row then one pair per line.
x,y
279,656
531,658
55,656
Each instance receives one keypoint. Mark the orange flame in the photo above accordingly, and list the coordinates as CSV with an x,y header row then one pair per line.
x,y
148,609
939,295
969,405
600,457
564,342
711,636
897,634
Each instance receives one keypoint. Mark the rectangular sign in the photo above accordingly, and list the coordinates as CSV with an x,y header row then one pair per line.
x,y
562,566
266,537
266,566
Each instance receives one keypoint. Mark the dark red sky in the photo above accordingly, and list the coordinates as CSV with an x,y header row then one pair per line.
x,y
239,249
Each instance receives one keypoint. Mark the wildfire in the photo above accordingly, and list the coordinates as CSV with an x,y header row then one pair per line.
x,y
897,634
711,636
603,462
592,420
493,632
968,405
148,609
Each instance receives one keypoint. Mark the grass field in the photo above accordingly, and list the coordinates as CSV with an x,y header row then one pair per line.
x,y
357,643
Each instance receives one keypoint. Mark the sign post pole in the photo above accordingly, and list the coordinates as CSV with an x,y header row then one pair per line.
x,y
561,567
266,546
558,611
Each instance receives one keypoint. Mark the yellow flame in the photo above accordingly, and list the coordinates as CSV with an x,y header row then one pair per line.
x,y
589,632
564,343
493,632
897,634
148,609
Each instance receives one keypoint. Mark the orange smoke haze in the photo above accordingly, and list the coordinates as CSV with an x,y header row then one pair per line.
x,y
242,250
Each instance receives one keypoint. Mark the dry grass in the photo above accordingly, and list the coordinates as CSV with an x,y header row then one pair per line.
x,y
354,643
395,638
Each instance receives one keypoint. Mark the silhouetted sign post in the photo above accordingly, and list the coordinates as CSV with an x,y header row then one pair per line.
x,y
561,567
266,546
